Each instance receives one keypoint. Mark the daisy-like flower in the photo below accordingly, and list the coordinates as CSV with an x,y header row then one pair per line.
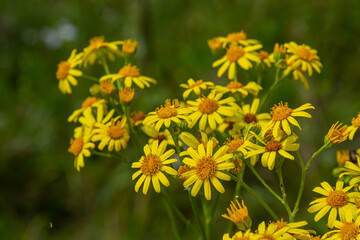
x,y
106,87
170,112
66,72
355,125
154,135
126,94
238,38
114,133
272,148
353,170
191,141
195,87
264,57
97,47
297,73
271,232
303,56
237,54
242,236
207,167
336,200
282,115
90,102
346,230
129,46
152,166
210,109
248,114
80,147
130,74
337,133
237,87
294,228
239,215
214,43
236,144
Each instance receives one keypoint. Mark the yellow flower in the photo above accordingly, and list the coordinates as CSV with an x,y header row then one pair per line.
x,y
210,109
337,133
97,47
130,74
207,167
298,73
170,112
129,46
336,200
242,236
355,125
264,57
214,43
237,54
238,38
152,166
248,114
342,156
191,141
113,133
137,118
237,87
88,120
66,72
80,148
346,230
106,87
271,232
270,149
283,114
89,102
238,215
195,87
294,228
303,56
154,135
236,144
352,170
182,170
126,94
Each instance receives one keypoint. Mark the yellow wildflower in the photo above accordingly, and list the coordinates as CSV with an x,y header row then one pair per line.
x,y
237,87
80,147
355,125
66,72
195,87
89,102
337,133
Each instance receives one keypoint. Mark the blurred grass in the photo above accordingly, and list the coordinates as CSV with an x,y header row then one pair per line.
x,y
38,183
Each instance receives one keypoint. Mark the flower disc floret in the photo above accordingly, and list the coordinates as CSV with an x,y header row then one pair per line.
x,y
208,105
151,164
273,146
280,112
76,146
349,231
337,198
234,53
206,167
63,70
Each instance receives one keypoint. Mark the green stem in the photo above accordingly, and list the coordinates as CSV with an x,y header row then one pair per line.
x,y
283,191
207,217
172,220
175,137
258,198
235,75
126,111
303,175
197,215
91,78
106,66
263,182
178,212
109,155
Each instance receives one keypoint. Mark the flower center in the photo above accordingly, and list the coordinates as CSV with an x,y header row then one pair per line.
x,y
129,46
349,231
249,118
234,53
268,236
238,165
280,224
115,131
166,111
304,53
160,138
235,37
273,146
89,101
234,85
314,238
106,87
337,198
280,112
263,55
182,170
356,121
208,105
234,144
63,70
197,83
96,42
214,43
151,164
205,167
129,71
76,146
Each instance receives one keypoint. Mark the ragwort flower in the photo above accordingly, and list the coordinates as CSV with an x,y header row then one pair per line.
x,y
355,125
345,230
337,133
89,102
237,87
195,87
66,72
152,166
80,147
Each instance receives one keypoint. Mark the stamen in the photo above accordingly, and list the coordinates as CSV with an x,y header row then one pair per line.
x,y
151,164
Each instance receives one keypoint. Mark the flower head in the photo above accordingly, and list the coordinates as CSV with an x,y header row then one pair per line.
x,y
129,46
207,167
237,87
66,72
89,102
195,87
126,94
152,166
239,215
80,147
345,230
106,87
337,133
355,125
214,43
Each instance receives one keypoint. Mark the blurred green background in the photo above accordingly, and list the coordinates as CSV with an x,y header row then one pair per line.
x,y
41,194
